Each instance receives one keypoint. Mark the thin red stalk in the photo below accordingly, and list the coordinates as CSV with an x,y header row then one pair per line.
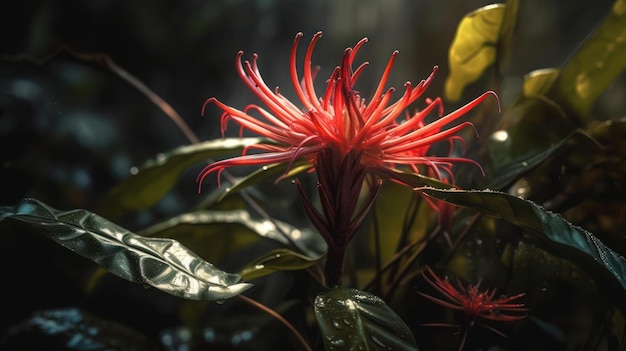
x,y
275,314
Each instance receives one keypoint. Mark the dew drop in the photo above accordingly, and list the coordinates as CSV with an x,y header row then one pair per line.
x,y
500,135
220,302
265,168
134,170
583,86
338,342
337,325
259,266
160,158
378,342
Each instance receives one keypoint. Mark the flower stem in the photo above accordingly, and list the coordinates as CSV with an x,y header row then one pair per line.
x,y
273,313
334,265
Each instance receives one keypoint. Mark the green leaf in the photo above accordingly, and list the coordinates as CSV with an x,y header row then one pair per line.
x,y
277,170
351,319
157,176
412,179
593,67
505,34
398,220
162,263
550,232
555,103
537,83
474,47
529,132
277,260
218,233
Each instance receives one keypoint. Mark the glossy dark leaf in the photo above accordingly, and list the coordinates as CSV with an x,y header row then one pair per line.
x,y
156,177
351,319
162,263
550,232
513,166
277,260
218,233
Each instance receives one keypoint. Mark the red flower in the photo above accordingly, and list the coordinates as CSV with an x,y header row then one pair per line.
x,y
340,119
478,305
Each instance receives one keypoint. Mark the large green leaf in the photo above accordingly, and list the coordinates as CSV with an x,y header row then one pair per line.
x,y
162,263
215,234
475,46
351,319
156,177
593,67
277,260
550,232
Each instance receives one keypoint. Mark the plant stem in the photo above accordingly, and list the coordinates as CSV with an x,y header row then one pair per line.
x,y
334,265
279,317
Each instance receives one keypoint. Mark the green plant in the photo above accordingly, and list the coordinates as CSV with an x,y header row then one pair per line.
x,y
384,188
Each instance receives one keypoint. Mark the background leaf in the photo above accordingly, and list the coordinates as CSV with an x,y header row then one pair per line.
x,y
474,48
277,260
162,263
555,103
157,176
399,220
550,232
215,234
538,82
594,66
276,170
351,319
